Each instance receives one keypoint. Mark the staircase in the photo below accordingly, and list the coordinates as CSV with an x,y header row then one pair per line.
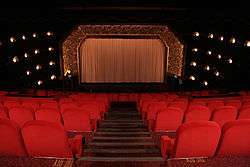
x,y
122,136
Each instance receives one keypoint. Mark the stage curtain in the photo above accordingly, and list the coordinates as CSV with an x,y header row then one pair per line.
x,y
117,60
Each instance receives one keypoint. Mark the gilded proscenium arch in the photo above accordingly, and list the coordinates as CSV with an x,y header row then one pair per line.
x,y
71,44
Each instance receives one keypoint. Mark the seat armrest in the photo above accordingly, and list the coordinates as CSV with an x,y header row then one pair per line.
x,y
76,145
167,145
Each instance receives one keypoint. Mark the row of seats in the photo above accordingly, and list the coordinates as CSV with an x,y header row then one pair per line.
x,y
37,139
208,139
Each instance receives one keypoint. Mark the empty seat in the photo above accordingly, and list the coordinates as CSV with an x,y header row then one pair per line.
x,y
21,115
31,104
182,104
197,113
235,103
46,139
3,113
224,114
49,104
193,139
11,103
168,119
235,139
213,104
11,142
76,120
244,113
49,115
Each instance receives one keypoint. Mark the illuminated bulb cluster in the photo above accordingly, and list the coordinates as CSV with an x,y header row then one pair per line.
x,y
49,33
23,37
15,59
28,72
193,63
230,61
26,55
53,77
210,35
195,49
34,35
207,67
38,67
40,82
247,43
37,51
196,34
217,73
50,49
221,38
209,52
192,77
219,56
51,63
205,83
12,39
232,40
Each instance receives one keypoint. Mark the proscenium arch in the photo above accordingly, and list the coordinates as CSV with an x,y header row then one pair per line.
x,y
175,57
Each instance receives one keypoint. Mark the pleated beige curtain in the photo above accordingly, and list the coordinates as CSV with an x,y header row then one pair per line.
x,y
115,60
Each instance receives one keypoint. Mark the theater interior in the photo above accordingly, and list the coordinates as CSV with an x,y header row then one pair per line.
x,y
124,83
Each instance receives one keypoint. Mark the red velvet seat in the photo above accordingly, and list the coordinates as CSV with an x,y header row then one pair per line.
x,y
182,104
21,115
168,119
3,113
224,114
235,139
213,104
193,139
197,113
12,103
244,113
46,139
11,142
49,115
76,120
69,105
235,103
49,104
34,105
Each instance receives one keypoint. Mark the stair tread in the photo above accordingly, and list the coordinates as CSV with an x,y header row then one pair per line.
x,y
126,159
125,151
123,133
120,138
143,143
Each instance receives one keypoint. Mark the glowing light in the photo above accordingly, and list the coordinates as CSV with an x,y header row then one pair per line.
x,y
23,37
40,82
207,67
195,49
205,83
247,43
15,59
230,61
217,73
26,55
51,63
38,67
210,35
209,52
34,35
219,56
37,51
50,49
12,39
196,34
193,63
221,38
49,33
192,77
232,40
28,72
52,77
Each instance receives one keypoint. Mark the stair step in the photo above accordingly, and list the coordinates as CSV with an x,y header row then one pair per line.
x,y
121,126
122,152
125,159
125,145
122,121
122,130
119,139
123,134
123,114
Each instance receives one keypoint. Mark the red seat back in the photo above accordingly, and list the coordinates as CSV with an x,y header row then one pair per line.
x,y
11,142
224,114
196,139
21,115
235,139
213,104
49,115
45,139
197,113
244,113
168,119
